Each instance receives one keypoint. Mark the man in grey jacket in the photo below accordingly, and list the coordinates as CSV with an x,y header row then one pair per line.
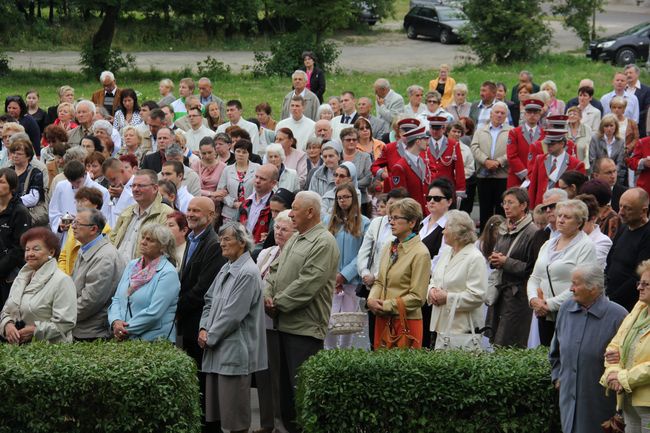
x,y
388,103
97,271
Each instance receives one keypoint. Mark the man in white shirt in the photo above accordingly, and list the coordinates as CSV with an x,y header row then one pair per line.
x,y
119,188
197,130
301,126
299,81
63,201
388,103
190,178
173,172
632,109
349,116
234,111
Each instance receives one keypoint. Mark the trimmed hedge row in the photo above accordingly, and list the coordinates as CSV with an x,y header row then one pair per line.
x,y
410,391
100,386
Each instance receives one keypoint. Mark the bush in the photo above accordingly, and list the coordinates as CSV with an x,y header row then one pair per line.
x,y
211,67
397,391
286,54
115,61
101,386
4,63
505,31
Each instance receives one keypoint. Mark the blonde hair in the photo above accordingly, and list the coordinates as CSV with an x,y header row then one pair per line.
x,y
132,128
410,209
578,207
608,119
14,127
462,226
643,267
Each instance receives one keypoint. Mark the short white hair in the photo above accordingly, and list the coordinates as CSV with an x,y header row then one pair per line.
x,y
382,83
414,88
106,74
592,275
322,108
89,104
103,125
501,104
555,191
550,84
283,217
206,80
299,72
462,87
277,149
311,199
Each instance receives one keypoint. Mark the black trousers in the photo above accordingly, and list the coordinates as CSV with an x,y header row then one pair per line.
x,y
294,350
490,192
467,204
546,331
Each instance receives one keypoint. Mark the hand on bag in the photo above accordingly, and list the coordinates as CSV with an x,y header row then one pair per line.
x,y
612,356
27,333
497,260
11,333
368,280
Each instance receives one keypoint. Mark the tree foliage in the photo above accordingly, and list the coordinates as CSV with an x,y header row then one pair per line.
x,y
505,31
579,15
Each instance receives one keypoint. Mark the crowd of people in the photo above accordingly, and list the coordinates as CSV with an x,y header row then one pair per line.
x,y
239,240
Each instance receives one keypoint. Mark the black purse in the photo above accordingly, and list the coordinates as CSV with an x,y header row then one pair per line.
x,y
362,291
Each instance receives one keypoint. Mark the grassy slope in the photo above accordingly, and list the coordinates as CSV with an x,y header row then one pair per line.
x,y
565,70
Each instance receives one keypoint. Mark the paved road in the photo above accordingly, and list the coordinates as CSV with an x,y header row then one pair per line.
x,y
391,52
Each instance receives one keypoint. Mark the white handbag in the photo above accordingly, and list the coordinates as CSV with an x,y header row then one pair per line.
x,y
449,340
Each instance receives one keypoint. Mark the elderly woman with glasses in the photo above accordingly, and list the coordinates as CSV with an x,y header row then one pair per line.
x,y
626,360
415,105
404,270
232,332
548,285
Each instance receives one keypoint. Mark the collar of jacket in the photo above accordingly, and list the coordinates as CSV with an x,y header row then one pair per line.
x,y
410,244
92,250
522,224
234,267
597,309
313,233
36,280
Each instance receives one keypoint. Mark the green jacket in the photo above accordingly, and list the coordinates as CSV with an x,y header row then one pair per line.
x,y
301,283
158,215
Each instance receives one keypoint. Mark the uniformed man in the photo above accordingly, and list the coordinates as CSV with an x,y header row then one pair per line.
x,y
558,121
392,152
548,168
411,171
446,158
520,139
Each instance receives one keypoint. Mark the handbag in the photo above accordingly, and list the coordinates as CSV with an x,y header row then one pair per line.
x,y
362,291
403,339
615,424
347,322
448,340
494,279
39,214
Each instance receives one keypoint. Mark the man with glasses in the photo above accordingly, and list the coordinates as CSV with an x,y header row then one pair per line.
x,y
548,168
631,246
96,273
445,157
148,208
197,129
109,95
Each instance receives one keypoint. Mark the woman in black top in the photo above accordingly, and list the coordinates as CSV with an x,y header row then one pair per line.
x,y
315,75
30,178
37,113
15,107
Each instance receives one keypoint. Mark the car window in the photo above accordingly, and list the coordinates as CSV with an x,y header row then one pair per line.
x,y
415,11
451,15
428,13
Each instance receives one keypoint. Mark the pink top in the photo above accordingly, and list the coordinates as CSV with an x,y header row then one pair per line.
x,y
309,78
209,176
297,160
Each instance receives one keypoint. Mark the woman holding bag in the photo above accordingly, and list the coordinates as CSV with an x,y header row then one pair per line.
x,y
404,270
458,285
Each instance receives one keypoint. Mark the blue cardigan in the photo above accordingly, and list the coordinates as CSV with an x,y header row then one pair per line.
x,y
153,306
349,248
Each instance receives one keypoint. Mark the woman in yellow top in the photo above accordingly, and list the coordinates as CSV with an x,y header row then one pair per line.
x,y
404,271
627,359
90,198
444,84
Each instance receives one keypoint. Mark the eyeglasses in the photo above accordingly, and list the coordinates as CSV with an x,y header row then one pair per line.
x,y
436,198
338,175
140,185
549,207
643,284
508,203
433,101
397,217
76,223
349,140
343,197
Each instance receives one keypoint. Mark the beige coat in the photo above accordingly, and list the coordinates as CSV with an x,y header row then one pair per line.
x,y
481,147
46,298
464,277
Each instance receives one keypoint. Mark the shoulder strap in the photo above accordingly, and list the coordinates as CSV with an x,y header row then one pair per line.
x,y
371,257
402,315
548,274
29,177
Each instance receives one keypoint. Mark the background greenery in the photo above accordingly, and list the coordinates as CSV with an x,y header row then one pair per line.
x,y
565,70
395,391
102,386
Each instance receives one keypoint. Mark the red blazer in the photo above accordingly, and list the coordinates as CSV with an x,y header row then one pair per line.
x,y
387,159
518,152
539,177
403,176
537,149
641,150
450,164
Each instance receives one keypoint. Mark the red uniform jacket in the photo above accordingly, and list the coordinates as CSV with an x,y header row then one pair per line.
x,y
518,150
263,222
389,156
450,163
641,150
402,175
537,148
538,177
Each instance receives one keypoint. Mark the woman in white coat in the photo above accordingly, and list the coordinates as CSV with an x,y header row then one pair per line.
x,y
460,279
548,285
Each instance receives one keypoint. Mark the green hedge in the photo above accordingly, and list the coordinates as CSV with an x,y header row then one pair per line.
x,y
98,387
397,391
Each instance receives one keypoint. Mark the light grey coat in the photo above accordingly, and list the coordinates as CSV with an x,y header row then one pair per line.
x,y
233,315
392,107
230,182
96,275
576,357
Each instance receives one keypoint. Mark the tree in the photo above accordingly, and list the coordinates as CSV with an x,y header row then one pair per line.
x,y
505,31
578,14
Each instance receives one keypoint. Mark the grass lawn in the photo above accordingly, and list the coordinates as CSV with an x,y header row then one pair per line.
x,y
565,70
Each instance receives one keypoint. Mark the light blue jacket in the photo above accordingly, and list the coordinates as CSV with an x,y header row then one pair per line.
x,y
152,306
349,248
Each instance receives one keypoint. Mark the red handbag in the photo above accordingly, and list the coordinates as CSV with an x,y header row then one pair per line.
x,y
402,339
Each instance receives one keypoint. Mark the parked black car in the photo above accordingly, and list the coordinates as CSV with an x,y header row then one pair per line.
x,y
368,15
438,22
624,48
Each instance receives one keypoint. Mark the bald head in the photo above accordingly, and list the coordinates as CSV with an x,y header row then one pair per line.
x,y
200,214
633,207
266,177
586,82
323,129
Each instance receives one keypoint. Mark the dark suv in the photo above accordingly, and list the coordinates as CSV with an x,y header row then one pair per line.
x,y
624,48
438,22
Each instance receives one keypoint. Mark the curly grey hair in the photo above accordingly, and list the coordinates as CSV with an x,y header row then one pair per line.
x,y
461,225
240,233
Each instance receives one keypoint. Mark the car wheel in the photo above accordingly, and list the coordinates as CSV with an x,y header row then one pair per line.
x,y
625,56
445,37
410,32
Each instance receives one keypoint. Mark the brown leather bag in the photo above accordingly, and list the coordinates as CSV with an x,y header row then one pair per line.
x,y
615,424
403,339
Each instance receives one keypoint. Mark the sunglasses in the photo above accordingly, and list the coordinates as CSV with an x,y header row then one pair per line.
x,y
549,207
436,198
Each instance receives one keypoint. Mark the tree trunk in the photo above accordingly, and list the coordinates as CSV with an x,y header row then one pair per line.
x,y
32,6
38,10
103,39
593,21
51,17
